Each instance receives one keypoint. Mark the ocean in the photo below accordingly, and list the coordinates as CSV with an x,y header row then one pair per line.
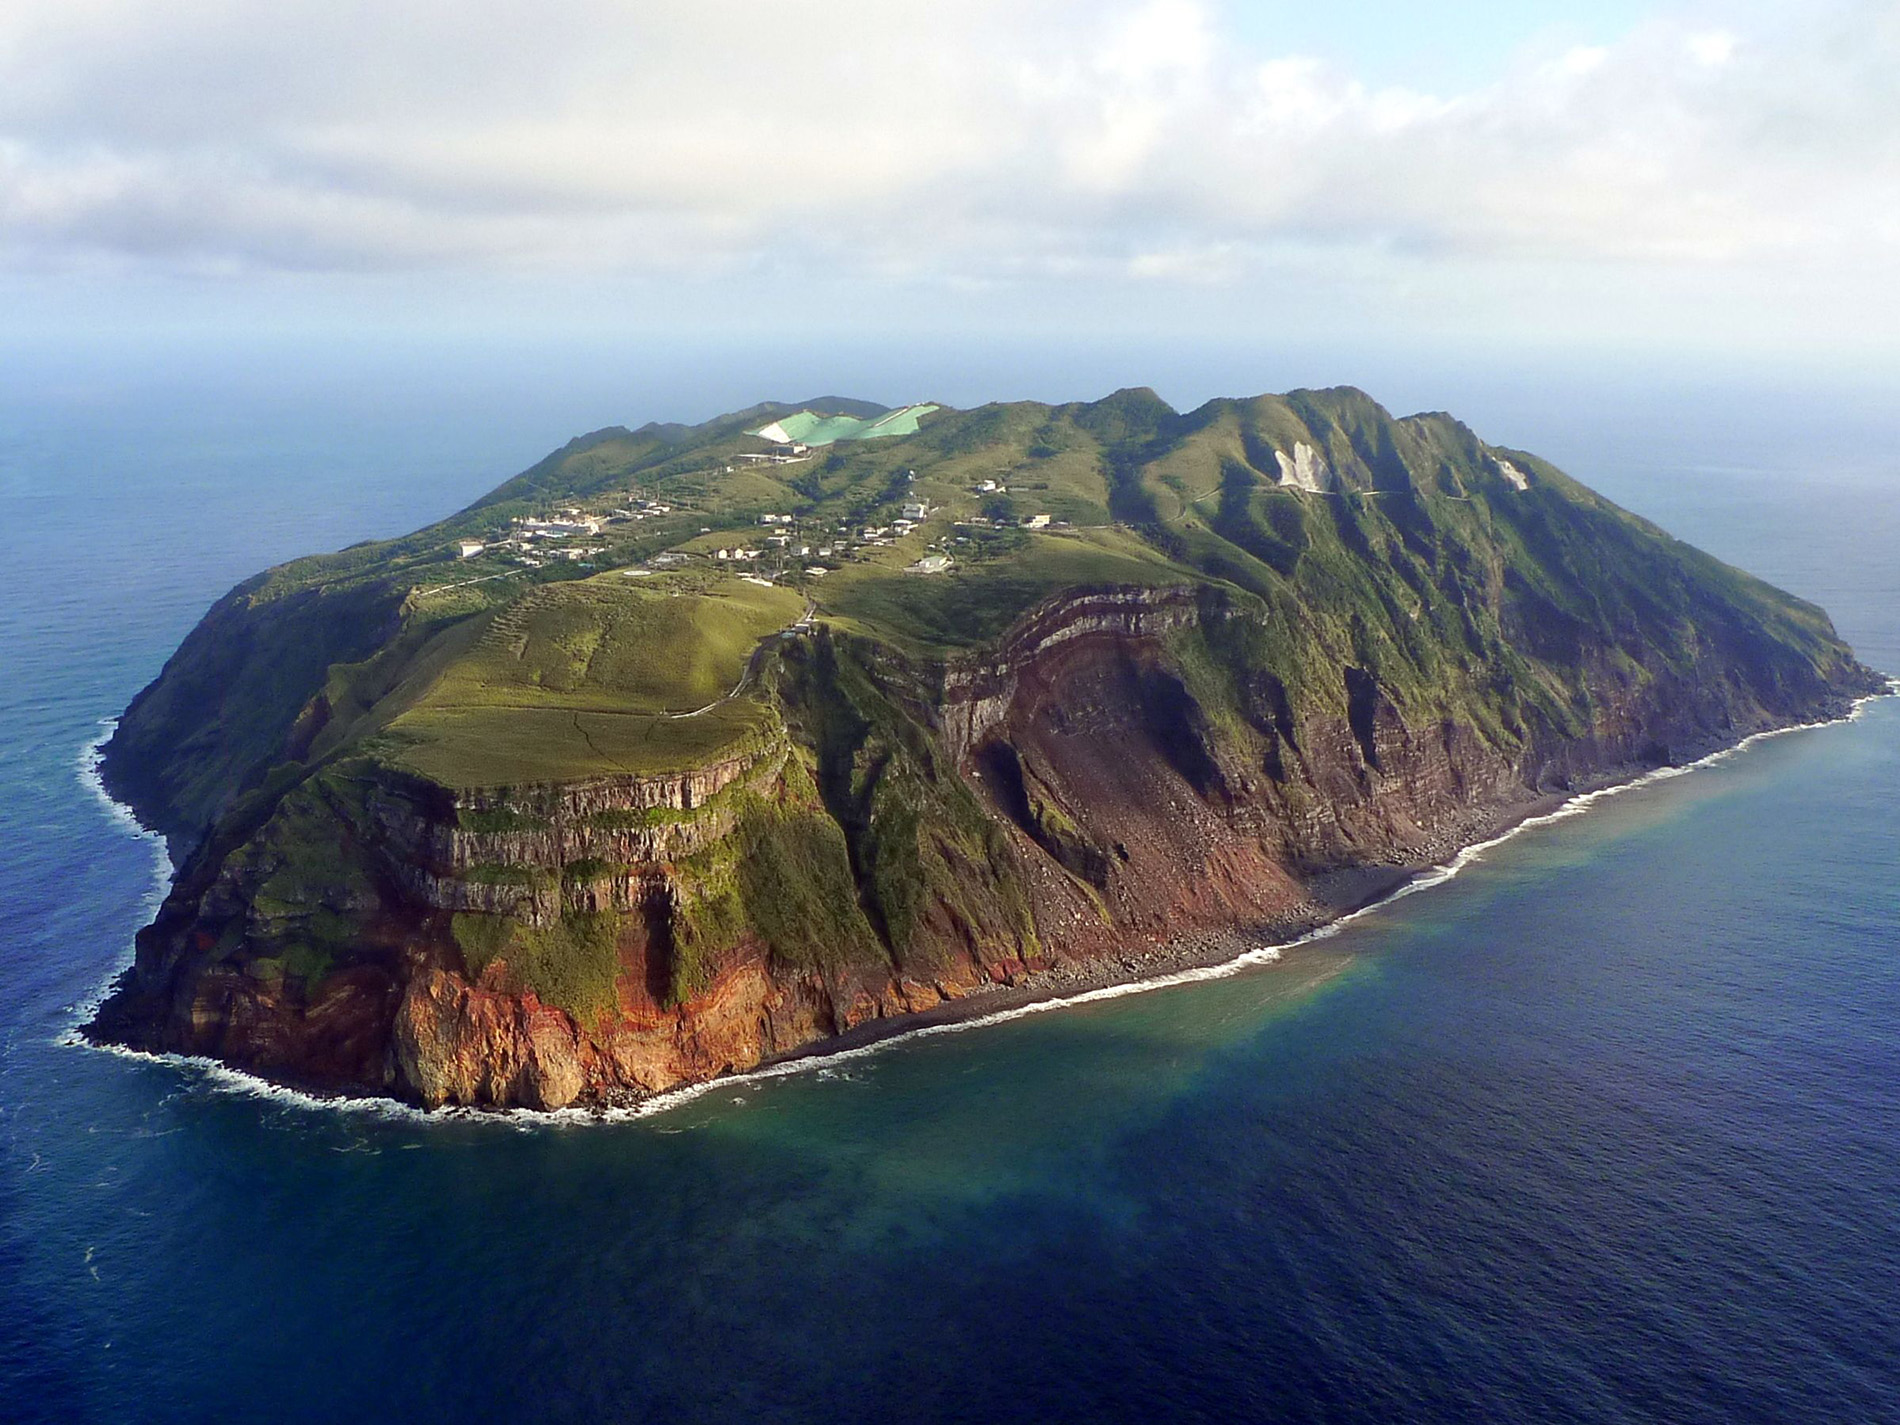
x,y
1604,1128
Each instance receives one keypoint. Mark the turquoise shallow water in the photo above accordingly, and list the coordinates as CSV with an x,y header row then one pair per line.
x,y
1604,1129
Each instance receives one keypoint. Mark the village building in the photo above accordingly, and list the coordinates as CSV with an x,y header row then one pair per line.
x,y
558,529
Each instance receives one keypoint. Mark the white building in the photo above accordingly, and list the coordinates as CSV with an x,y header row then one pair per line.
x,y
1036,522
471,547
559,529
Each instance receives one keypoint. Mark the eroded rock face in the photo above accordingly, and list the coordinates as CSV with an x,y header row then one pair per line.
x,y
977,693
1115,807
455,1044
1304,469
1515,477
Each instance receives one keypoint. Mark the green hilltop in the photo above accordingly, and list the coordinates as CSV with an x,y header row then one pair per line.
x,y
1466,579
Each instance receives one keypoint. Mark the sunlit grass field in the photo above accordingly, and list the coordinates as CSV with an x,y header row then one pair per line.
x,y
592,678
971,604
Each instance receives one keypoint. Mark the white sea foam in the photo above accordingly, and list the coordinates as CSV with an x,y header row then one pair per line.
x,y
227,1079
121,816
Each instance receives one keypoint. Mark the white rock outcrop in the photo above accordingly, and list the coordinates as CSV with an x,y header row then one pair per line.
x,y
1519,480
1304,470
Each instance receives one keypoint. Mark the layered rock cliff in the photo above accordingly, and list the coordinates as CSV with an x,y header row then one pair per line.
x,y
934,789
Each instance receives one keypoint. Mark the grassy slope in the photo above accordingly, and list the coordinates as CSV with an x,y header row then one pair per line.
x,y
1461,594
1464,598
974,603
585,679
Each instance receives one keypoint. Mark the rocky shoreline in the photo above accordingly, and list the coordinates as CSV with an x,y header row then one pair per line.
x,y
1343,893
1334,896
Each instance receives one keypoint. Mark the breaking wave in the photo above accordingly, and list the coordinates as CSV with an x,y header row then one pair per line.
x,y
87,765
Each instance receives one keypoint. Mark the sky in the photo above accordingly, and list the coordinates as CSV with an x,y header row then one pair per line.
x,y
1619,182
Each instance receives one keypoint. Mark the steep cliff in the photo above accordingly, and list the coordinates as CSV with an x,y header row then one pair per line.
x,y
547,835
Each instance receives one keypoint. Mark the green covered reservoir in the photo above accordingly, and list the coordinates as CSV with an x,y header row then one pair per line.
x,y
811,428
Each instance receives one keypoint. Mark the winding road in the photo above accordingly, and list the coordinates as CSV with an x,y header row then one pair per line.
x,y
752,663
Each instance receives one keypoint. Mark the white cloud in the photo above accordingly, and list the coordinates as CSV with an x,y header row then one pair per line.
x,y
941,142
1584,59
1712,48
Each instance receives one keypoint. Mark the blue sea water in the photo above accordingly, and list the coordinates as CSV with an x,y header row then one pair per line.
x,y
1606,1128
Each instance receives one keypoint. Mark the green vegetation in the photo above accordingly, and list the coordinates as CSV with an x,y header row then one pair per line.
x,y
1415,579
973,605
914,834
784,876
589,679
609,644
482,939
497,819
795,884
573,964
499,746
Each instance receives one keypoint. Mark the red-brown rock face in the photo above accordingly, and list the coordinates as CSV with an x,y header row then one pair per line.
x,y
1079,799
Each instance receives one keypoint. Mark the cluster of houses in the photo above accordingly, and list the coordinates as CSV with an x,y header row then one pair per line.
x,y
1032,522
779,542
912,515
568,524
533,540
638,509
528,533
783,452
575,523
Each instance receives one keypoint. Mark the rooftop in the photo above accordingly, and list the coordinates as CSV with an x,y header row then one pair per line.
x,y
812,428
